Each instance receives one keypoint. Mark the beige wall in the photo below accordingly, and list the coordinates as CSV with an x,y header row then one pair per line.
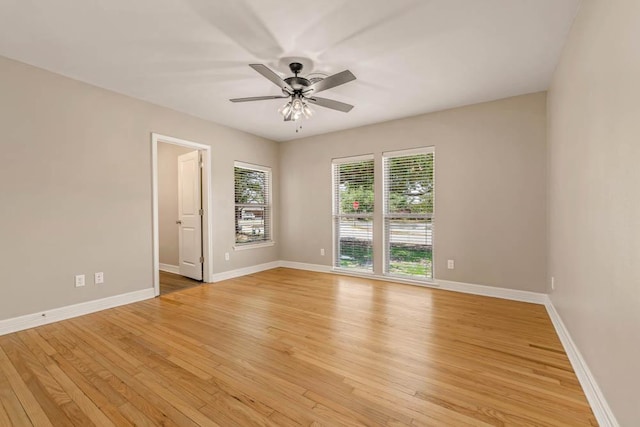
x,y
490,189
168,201
594,201
75,188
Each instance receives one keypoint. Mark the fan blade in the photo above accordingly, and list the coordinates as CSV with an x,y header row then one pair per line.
x,y
332,81
273,77
257,98
330,103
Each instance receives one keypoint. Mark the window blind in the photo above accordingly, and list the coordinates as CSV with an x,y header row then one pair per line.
x,y
252,203
353,190
408,213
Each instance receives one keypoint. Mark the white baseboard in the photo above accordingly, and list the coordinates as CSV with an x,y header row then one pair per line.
x,y
492,291
304,266
592,391
225,275
170,268
28,321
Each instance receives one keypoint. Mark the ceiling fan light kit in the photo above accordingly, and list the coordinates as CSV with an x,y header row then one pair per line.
x,y
295,109
301,91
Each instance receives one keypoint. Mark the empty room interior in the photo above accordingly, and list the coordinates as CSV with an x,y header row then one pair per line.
x,y
336,213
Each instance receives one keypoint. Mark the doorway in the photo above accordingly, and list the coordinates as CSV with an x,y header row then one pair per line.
x,y
181,213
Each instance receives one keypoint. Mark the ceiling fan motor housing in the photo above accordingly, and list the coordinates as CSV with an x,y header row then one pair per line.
x,y
298,84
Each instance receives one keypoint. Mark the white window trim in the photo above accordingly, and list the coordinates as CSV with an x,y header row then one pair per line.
x,y
263,243
257,245
335,162
238,164
351,159
431,283
409,152
385,273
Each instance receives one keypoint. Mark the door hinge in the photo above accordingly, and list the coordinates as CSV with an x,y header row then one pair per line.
x,y
201,211
201,260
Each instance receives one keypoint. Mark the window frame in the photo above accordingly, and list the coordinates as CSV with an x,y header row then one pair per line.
x,y
268,241
386,252
335,214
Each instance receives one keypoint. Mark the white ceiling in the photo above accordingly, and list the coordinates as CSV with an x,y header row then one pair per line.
x,y
409,56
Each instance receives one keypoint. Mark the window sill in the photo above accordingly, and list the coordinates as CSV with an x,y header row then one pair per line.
x,y
253,246
412,281
431,283
353,272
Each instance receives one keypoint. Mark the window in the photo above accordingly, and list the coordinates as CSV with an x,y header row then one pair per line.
x,y
408,213
353,190
252,204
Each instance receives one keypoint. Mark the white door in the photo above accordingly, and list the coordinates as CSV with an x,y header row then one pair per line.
x,y
190,215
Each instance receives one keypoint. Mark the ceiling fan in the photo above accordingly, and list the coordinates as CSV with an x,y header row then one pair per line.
x,y
301,91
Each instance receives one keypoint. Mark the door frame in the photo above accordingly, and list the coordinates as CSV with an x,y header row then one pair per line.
x,y
207,216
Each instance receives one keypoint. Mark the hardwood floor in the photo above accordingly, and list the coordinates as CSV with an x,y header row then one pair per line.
x,y
287,348
170,282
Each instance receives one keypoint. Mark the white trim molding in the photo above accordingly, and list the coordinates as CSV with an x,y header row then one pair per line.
x,y
597,401
231,274
254,245
28,321
492,291
304,266
207,206
169,268
349,159
410,151
394,279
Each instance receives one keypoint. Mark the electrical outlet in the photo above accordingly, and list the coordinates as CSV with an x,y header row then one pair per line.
x,y
553,283
226,256
99,278
322,251
79,280
450,264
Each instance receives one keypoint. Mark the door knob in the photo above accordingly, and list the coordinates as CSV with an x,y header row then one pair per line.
x,y
178,222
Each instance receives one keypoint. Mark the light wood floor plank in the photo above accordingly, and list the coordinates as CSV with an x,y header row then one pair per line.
x,y
44,388
170,282
146,399
83,384
29,403
294,348
137,417
11,405
82,400
136,394
4,417
182,405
